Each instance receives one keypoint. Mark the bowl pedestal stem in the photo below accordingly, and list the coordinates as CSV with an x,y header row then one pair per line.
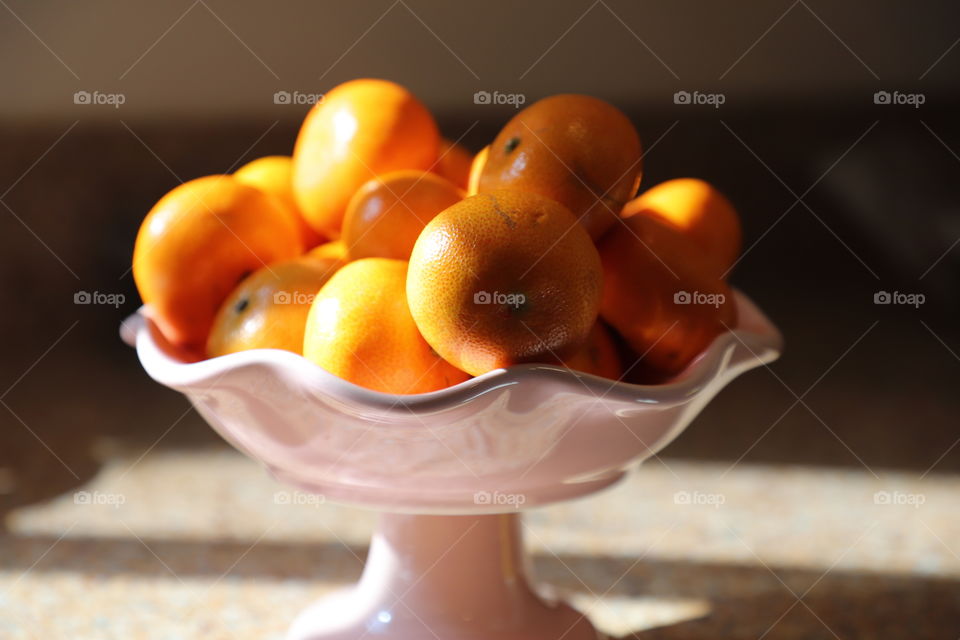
x,y
443,578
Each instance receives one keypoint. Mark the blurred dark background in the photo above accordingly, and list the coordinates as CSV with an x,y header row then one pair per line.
x,y
843,193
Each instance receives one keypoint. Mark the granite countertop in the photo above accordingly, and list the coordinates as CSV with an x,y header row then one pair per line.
x,y
201,543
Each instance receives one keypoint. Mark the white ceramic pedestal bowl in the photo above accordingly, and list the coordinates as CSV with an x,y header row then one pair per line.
x,y
450,470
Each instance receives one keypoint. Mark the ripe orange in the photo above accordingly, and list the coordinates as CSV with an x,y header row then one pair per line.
x,y
660,294
502,278
581,151
335,249
360,328
385,217
454,163
598,355
700,213
362,128
268,310
476,168
272,174
197,243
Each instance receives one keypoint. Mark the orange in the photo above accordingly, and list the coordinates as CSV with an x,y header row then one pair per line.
x,y
361,129
272,174
581,151
387,214
598,355
502,278
360,328
268,310
197,243
660,294
454,163
476,168
700,213
334,249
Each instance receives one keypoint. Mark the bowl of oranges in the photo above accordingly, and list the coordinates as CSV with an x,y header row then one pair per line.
x,y
396,323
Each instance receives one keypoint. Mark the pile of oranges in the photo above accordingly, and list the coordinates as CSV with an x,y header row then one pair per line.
x,y
401,262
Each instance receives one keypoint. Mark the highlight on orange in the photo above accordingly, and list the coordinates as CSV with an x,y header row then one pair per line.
x,y
698,211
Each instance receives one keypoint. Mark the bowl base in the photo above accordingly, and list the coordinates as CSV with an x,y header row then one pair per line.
x,y
443,577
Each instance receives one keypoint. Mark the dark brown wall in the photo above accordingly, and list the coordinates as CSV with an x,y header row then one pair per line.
x,y
226,59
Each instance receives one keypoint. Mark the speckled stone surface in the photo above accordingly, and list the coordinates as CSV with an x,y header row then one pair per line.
x,y
203,544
